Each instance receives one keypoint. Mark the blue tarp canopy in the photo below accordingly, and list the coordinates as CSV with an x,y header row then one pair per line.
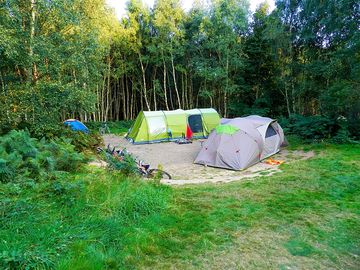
x,y
76,125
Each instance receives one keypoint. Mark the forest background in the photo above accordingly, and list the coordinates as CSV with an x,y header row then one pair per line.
x,y
75,59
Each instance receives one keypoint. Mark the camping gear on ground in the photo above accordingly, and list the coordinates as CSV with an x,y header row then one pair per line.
x,y
159,126
241,142
183,141
116,158
76,125
271,161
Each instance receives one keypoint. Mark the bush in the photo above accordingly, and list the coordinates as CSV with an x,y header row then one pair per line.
x,y
39,107
25,158
58,131
317,127
80,140
309,128
125,164
354,128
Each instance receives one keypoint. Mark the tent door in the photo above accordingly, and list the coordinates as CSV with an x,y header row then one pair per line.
x,y
271,142
195,124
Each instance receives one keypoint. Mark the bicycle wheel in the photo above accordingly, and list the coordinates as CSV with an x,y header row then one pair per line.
x,y
158,173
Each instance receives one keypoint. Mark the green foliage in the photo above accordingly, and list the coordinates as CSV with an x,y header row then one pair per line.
x,y
82,221
309,128
81,140
39,108
25,159
97,220
116,127
353,127
140,203
317,128
51,62
74,59
125,164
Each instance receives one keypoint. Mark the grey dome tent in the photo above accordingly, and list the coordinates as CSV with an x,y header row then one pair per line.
x,y
241,142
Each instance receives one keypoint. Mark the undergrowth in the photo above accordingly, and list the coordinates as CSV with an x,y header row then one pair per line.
x,y
304,217
25,159
82,221
115,127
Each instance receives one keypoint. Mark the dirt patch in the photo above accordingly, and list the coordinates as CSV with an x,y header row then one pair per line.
x,y
178,161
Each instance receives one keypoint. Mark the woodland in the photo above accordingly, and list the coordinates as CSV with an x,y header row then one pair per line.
x,y
75,59
65,203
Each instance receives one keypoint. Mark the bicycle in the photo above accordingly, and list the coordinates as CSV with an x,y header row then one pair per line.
x,y
104,129
123,156
146,172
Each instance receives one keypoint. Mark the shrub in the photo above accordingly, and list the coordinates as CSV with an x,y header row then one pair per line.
x,y
25,158
354,128
310,128
315,128
39,107
80,140
125,164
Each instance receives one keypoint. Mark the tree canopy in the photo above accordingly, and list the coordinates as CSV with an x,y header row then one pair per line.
x,y
74,58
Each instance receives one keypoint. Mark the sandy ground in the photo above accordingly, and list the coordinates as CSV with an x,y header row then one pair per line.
x,y
178,161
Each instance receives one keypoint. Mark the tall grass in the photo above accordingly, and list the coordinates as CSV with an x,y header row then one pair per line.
x,y
305,217
81,220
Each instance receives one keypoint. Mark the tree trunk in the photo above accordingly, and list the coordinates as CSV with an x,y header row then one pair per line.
x,y
287,100
182,91
141,100
164,81
118,102
103,100
108,90
293,96
97,111
170,95
2,83
154,87
123,97
227,84
132,105
33,76
191,94
186,92
128,108
175,84
144,83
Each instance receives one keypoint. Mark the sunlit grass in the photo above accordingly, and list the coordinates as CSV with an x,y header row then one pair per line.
x,y
306,217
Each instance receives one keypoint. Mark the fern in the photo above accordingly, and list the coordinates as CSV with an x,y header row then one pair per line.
x,y
23,157
6,172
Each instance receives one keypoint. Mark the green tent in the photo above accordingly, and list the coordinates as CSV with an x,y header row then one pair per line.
x,y
158,126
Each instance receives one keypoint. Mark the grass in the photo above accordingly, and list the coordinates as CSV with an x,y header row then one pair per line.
x,y
306,217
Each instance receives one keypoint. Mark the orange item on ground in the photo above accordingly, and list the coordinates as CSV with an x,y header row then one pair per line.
x,y
274,162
